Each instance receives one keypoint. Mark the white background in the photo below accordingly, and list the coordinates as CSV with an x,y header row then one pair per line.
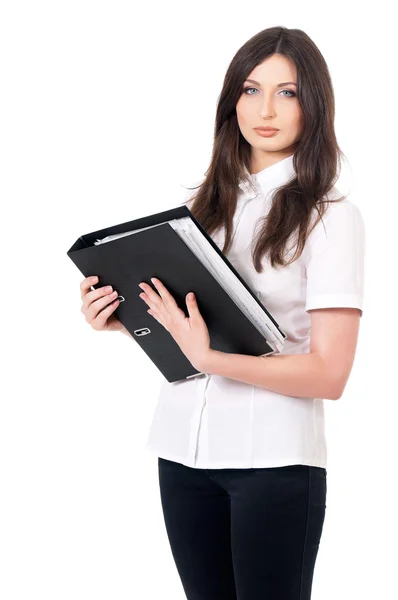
x,y
106,108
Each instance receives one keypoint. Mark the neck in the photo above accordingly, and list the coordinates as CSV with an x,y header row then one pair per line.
x,y
262,160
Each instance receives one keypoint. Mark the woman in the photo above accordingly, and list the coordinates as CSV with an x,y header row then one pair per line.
x,y
241,449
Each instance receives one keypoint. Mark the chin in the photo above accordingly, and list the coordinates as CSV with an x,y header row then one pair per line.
x,y
269,143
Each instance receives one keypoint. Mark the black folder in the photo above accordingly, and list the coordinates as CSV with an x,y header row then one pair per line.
x,y
160,252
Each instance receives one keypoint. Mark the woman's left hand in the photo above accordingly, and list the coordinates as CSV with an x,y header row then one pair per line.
x,y
190,333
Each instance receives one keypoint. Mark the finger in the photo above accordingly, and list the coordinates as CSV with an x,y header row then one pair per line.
x,y
164,293
91,297
193,310
102,317
86,285
150,296
164,304
95,307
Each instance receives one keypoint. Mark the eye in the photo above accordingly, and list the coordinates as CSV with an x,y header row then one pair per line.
x,y
252,88
290,92
249,88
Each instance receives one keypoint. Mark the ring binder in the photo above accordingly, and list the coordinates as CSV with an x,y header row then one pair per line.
x,y
173,246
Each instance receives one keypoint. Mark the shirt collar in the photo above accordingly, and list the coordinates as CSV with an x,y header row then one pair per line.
x,y
270,177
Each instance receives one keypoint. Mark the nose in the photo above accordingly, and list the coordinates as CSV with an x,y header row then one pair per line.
x,y
267,107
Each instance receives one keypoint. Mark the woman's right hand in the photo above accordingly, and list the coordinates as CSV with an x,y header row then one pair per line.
x,y
99,305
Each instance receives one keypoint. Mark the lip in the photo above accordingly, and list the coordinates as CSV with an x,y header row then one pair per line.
x,y
266,129
266,132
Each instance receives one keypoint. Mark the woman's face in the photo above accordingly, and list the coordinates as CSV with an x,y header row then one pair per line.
x,y
265,102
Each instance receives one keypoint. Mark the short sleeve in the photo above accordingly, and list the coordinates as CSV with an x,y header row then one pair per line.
x,y
335,257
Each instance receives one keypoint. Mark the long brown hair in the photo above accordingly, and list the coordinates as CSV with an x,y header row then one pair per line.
x,y
315,161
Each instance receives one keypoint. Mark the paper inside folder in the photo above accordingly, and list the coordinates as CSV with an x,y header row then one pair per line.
x,y
115,236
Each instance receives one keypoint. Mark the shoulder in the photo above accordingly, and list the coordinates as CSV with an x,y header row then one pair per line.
x,y
340,215
341,230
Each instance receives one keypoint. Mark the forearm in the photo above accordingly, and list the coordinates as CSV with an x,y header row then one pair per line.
x,y
301,375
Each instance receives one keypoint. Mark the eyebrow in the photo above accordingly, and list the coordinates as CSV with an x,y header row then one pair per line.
x,y
279,84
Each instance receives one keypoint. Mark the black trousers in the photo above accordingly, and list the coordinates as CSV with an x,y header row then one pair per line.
x,y
244,534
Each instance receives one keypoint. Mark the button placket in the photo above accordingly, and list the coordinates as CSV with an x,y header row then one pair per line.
x,y
203,402
200,387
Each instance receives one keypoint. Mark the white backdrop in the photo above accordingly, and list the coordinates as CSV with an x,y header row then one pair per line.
x,y
106,109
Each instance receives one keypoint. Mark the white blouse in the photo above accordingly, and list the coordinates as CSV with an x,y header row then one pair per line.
x,y
216,422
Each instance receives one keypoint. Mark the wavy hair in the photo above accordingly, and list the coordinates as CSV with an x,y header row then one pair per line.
x,y
315,160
